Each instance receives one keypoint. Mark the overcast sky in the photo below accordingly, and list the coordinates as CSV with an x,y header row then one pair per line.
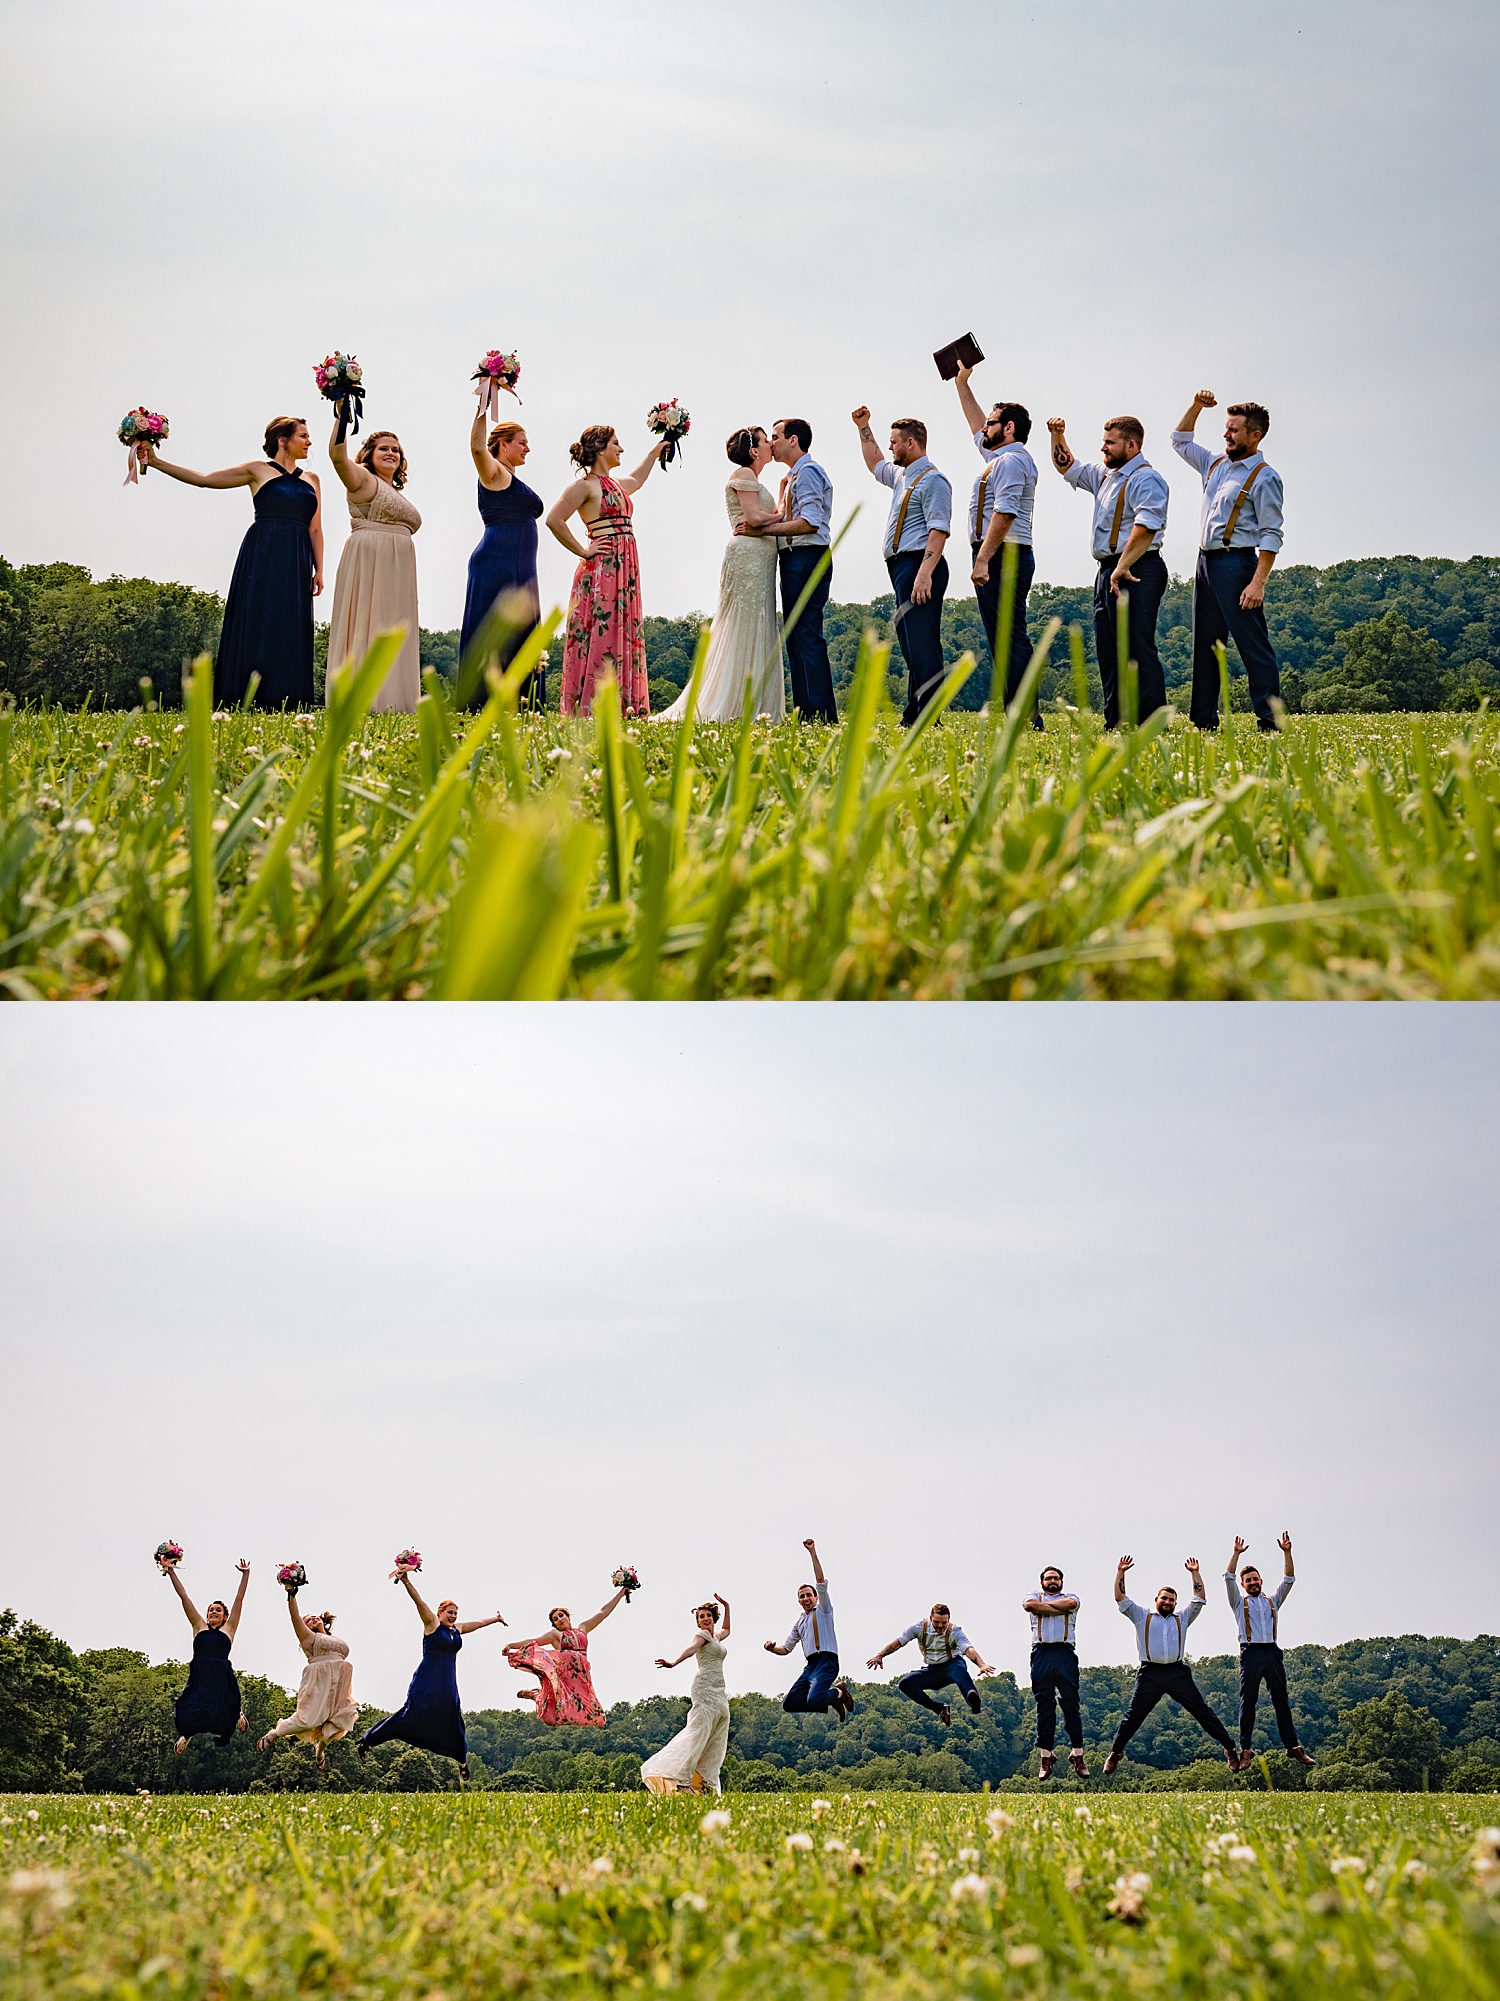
x,y
764,210
959,1291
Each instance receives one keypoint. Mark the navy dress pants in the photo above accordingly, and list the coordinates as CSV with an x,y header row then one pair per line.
x,y
813,1688
806,648
919,632
1174,1678
1218,616
1019,651
1259,1663
1144,603
915,1686
1054,1680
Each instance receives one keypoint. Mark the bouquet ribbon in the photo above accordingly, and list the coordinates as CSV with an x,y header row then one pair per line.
x,y
356,398
137,459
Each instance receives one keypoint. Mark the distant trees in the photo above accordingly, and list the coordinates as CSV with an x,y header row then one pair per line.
x,y
1379,665
67,640
43,1709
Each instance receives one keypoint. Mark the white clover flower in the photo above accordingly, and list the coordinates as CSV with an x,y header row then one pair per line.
x,y
1082,1813
970,1889
1341,1865
142,742
601,1866
1024,1955
819,1808
997,1820
715,1823
557,755
798,1841
968,1855
833,1846
46,1890
1240,1853
1130,1896
32,1814
693,1901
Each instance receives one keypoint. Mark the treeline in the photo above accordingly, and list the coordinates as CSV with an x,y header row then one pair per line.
x,y
1378,634
1382,1715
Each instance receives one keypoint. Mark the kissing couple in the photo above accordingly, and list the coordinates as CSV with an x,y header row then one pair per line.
x,y
789,535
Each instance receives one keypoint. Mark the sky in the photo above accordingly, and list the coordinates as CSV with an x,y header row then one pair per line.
x,y
959,1292
765,211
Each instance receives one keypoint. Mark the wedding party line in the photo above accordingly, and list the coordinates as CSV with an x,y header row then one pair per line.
x,y
557,1657
266,647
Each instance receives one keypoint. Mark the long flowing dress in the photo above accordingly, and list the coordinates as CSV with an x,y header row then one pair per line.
x,y
604,634
691,1762
209,1706
565,1686
268,615
326,1708
375,590
505,561
746,642
430,1717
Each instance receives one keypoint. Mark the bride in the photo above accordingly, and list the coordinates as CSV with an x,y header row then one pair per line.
x,y
746,641
690,1762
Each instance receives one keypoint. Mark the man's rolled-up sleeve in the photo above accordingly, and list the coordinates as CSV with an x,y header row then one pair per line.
x,y
884,471
815,504
1266,493
939,508
1198,456
1010,485
1148,499
1085,477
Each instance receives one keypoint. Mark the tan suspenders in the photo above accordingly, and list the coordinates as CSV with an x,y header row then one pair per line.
x,y
1250,1639
1234,515
984,481
905,503
817,1640
1176,1618
1114,533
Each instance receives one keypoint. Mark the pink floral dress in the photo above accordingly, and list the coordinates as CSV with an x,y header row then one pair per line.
x,y
565,1689
604,634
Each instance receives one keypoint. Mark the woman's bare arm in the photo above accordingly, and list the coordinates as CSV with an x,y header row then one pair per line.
x,y
428,1616
359,479
194,1620
569,502
231,1624
551,1638
603,1612
724,1634
299,1625
755,515
492,474
633,482
243,475
473,1625
687,1653
315,532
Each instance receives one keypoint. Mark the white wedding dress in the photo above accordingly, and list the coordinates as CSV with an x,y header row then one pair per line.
x,y
691,1761
746,641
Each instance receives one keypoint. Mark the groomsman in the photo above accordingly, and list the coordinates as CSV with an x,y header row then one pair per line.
x,y
1161,1642
1000,512
1054,1669
1130,518
820,1686
945,1647
919,525
801,528
1255,1613
1240,539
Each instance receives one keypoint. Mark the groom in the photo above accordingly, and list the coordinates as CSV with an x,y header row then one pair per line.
x,y
806,508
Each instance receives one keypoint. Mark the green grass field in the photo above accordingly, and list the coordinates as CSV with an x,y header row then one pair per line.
x,y
443,1898
181,854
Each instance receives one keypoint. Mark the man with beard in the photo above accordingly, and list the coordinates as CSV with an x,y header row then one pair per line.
x,y
820,1687
999,513
1054,1669
1255,1614
915,534
1161,1641
1239,539
1130,519
944,1648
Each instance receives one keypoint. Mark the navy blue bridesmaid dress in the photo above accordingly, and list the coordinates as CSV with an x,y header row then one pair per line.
x,y
430,1717
210,1704
505,560
268,616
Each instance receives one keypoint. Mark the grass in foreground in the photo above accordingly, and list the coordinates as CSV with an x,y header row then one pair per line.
x,y
186,855
1367,1895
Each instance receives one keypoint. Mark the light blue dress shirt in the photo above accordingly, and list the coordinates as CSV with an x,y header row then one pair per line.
x,y
1260,524
1146,496
1162,1636
810,497
1006,486
931,504
814,1632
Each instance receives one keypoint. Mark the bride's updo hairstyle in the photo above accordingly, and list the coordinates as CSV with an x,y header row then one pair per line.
x,y
711,1610
367,451
590,444
741,445
277,429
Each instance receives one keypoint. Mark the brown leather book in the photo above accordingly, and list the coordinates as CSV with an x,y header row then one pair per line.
x,y
965,352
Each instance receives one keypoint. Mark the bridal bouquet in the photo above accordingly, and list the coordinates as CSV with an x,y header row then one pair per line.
x,y
406,1560
139,430
672,422
167,1554
291,1577
499,371
626,1579
341,379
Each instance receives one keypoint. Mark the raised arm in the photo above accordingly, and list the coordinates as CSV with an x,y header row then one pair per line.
x,y
1284,1544
1125,1563
633,482
603,1612
1232,1568
231,1624
968,401
359,479
724,1630
1200,1590
812,1549
567,504
299,1624
424,1611
491,473
1062,453
475,1625
193,1617
243,475
874,456
1204,400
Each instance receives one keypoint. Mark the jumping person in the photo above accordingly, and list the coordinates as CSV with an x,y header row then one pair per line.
x,y
431,1716
209,1705
1260,1651
999,512
1130,518
1054,1669
1239,539
945,1648
820,1687
691,1762
1161,1641
918,527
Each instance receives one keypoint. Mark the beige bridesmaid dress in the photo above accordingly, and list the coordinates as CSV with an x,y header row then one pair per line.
x,y
326,1707
376,590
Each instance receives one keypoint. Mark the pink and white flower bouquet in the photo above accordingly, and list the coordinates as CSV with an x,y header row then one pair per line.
x,y
139,430
407,1560
496,371
341,379
626,1579
671,422
167,1554
291,1577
